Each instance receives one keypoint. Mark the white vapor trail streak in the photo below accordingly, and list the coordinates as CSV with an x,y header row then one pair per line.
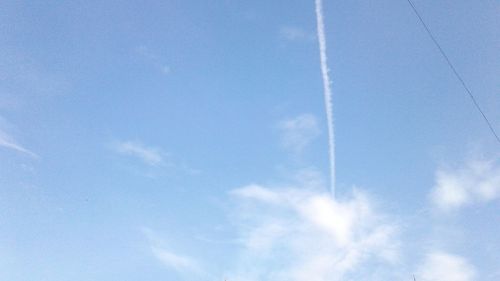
x,y
327,91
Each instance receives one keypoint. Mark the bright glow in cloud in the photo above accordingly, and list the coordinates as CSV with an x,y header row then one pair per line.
x,y
478,181
327,90
303,234
440,266
149,155
298,132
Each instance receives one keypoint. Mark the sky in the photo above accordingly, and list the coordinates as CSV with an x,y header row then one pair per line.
x,y
188,140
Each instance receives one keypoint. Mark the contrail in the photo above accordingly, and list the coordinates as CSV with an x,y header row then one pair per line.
x,y
327,91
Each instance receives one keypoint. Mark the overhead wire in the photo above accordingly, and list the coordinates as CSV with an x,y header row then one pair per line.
x,y
457,75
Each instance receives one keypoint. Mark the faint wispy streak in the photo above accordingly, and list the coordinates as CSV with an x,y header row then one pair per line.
x,y
7,142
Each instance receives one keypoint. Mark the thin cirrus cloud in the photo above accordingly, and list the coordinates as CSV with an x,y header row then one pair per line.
x,y
294,33
170,259
24,80
299,233
439,266
153,58
478,181
149,155
7,141
298,132
174,261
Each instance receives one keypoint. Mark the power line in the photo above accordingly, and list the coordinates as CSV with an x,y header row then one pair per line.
x,y
448,61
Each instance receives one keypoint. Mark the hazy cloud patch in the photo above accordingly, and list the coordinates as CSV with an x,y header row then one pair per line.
x,y
477,181
153,58
147,154
7,141
23,80
294,33
173,260
298,132
170,259
439,266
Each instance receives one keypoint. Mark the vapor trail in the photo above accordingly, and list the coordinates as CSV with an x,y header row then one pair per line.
x,y
327,91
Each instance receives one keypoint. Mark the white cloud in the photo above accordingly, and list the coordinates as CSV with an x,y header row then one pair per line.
x,y
478,181
439,266
149,155
298,234
298,132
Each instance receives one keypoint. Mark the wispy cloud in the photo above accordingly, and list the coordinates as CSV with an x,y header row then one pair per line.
x,y
24,81
302,233
294,33
175,261
298,132
476,182
153,58
149,155
7,141
439,266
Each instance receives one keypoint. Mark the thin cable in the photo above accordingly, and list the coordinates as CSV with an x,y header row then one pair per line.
x,y
454,70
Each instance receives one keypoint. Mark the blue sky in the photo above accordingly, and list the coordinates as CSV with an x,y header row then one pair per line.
x,y
187,140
